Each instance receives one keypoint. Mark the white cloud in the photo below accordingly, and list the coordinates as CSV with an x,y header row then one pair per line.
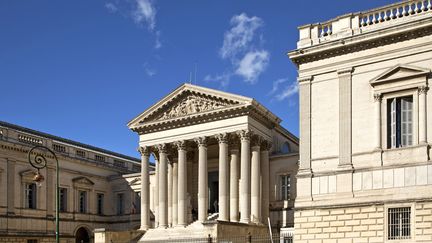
x,y
240,36
145,13
111,7
158,43
223,79
287,92
148,70
252,65
276,85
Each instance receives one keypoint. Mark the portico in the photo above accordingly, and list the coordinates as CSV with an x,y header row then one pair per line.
x,y
195,131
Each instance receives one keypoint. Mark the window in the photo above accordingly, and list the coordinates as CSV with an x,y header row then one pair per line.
x,y
99,158
285,187
63,200
30,195
136,206
82,201
80,153
400,122
399,223
100,203
120,204
285,148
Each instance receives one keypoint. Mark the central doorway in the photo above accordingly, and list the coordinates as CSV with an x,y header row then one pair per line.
x,y
213,189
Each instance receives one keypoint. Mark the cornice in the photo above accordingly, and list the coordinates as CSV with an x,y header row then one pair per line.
x,y
363,41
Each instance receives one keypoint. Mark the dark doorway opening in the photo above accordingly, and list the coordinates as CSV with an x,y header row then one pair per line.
x,y
82,236
213,185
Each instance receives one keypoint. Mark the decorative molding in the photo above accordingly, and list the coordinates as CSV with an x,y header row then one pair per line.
x,y
345,71
256,140
83,181
310,55
398,73
305,80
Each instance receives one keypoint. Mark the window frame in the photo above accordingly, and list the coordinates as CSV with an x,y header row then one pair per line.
x,y
100,210
120,208
86,198
63,209
385,118
412,223
35,195
280,176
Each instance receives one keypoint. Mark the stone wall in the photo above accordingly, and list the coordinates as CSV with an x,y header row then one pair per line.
x,y
364,224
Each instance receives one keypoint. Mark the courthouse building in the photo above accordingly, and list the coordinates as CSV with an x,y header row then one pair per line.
x,y
365,173
95,191
224,165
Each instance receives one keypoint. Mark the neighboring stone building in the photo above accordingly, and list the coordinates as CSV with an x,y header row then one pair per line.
x,y
95,192
365,173
224,165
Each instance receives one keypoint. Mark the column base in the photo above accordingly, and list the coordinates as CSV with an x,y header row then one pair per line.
x,y
144,228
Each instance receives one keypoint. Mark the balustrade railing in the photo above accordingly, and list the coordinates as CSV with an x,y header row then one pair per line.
x,y
395,11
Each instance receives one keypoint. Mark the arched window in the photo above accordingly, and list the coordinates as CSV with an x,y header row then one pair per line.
x,y
285,148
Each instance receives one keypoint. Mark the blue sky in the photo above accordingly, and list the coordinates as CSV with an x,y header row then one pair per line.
x,y
82,69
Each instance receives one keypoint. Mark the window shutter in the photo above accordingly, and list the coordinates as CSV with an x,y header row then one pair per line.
x,y
393,128
406,121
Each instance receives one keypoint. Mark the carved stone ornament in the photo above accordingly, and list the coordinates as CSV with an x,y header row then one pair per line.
x,y
422,89
162,148
245,135
222,138
377,97
266,145
201,141
181,145
191,105
144,151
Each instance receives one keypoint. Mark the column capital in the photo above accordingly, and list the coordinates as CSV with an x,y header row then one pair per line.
x,y
377,97
422,89
201,141
245,135
181,145
144,151
256,140
234,144
222,137
162,148
266,145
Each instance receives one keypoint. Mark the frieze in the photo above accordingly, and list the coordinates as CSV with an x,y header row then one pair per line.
x,y
191,105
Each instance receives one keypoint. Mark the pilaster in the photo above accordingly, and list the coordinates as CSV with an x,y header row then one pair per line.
x,y
345,117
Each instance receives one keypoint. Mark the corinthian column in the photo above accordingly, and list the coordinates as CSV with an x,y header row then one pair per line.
x,y
265,180
202,179
245,190
170,191
156,189
182,183
145,184
223,177
255,181
234,182
163,187
175,194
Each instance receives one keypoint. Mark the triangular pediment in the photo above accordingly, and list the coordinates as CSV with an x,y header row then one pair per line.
x,y
29,174
83,181
134,182
399,72
189,100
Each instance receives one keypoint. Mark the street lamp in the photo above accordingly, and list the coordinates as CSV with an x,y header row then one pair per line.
x,y
39,162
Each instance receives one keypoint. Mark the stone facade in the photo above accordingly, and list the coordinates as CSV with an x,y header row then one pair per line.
x,y
83,168
221,163
365,126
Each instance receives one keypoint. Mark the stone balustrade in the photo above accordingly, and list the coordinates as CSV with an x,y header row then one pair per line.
x,y
352,24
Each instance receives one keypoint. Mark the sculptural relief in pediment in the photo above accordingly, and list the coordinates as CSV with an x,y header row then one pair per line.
x,y
191,105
